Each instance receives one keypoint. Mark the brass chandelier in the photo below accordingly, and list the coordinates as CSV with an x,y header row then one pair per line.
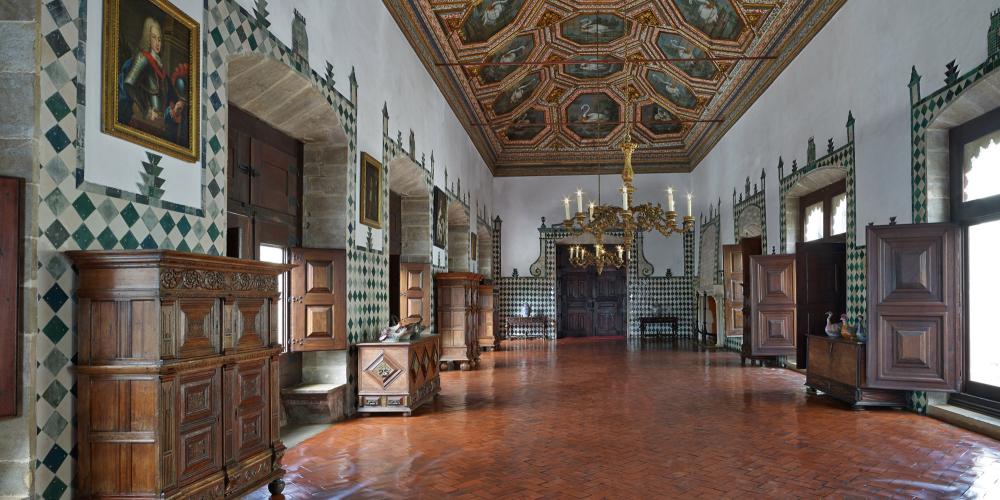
x,y
602,219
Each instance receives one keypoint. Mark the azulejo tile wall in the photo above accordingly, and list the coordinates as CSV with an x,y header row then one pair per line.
x,y
643,292
74,214
709,243
843,158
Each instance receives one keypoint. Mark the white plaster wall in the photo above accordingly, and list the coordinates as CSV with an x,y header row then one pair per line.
x,y
859,62
522,201
114,162
362,34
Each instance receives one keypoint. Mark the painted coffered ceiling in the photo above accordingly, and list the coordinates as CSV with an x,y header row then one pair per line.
x,y
543,86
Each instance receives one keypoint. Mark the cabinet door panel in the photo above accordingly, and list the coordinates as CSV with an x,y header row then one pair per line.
x,y
415,293
198,332
250,393
319,301
914,307
250,324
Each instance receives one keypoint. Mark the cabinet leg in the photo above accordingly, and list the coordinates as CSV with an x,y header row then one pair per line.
x,y
276,486
444,366
465,366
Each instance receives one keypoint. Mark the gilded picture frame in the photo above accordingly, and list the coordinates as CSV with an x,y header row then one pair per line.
x,y
370,198
151,77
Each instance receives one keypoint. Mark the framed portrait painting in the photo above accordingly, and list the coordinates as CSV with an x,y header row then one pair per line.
x,y
151,76
371,191
440,218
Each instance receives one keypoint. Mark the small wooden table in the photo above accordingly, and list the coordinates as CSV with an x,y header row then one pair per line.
x,y
658,320
531,326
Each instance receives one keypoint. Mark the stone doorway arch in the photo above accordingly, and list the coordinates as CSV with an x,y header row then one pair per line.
x,y
412,184
280,96
459,239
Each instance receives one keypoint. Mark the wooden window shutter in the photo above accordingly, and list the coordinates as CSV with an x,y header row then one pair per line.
x,y
772,305
318,300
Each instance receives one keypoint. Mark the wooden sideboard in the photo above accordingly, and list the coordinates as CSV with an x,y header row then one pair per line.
x,y
457,306
487,319
837,368
177,375
398,376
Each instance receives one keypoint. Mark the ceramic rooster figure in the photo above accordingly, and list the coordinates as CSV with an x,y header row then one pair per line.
x,y
832,329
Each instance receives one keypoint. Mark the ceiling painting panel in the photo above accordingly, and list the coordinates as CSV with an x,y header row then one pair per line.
x,y
549,87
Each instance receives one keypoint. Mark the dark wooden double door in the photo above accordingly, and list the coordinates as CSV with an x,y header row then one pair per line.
x,y
590,304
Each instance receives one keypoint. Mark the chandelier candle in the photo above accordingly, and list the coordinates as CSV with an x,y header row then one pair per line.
x,y
670,199
579,201
566,206
689,206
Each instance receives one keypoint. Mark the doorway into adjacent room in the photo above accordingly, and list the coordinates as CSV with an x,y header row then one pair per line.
x,y
590,304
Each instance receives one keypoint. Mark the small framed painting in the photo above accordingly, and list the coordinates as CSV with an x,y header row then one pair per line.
x,y
151,76
371,191
440,218
474,246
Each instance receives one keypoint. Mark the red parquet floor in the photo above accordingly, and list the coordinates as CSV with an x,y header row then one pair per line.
x,y
617,419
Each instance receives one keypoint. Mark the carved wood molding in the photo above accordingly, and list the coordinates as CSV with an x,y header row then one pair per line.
x,y
196,279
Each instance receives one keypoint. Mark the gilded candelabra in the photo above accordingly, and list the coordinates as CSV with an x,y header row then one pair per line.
x,y
628,218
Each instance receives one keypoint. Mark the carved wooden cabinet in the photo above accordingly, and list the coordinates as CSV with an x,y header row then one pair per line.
x,y
837,368
487,319
457,306
398,376
177,375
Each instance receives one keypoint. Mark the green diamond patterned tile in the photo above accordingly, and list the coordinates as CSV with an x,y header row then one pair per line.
x,y
55,361
83,237
84,207
56,202
149,219
56,266
107,210
130,215
55,329
107,239
55,393
54,425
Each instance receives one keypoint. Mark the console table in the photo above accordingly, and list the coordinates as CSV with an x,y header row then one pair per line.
x,y
658,320
527,327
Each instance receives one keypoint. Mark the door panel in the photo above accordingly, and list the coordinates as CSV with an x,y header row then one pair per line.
x,y
772,305
275,184
319,302
748,248
821,286
732,266
914,305
414,293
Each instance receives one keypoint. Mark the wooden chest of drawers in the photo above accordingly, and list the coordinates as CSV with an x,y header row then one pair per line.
x,y
177,375
837,368
398,376
456,302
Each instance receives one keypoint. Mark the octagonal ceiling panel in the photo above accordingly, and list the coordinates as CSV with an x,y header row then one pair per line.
x,y
594,28
518,94
488,18
593,115
510,55
716,18
594,66
527,126
696,65
519,73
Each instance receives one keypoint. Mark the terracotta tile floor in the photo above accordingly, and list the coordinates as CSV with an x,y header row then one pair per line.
x,y
617,419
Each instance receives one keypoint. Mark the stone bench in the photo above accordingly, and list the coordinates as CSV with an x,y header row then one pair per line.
x,y
314,403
